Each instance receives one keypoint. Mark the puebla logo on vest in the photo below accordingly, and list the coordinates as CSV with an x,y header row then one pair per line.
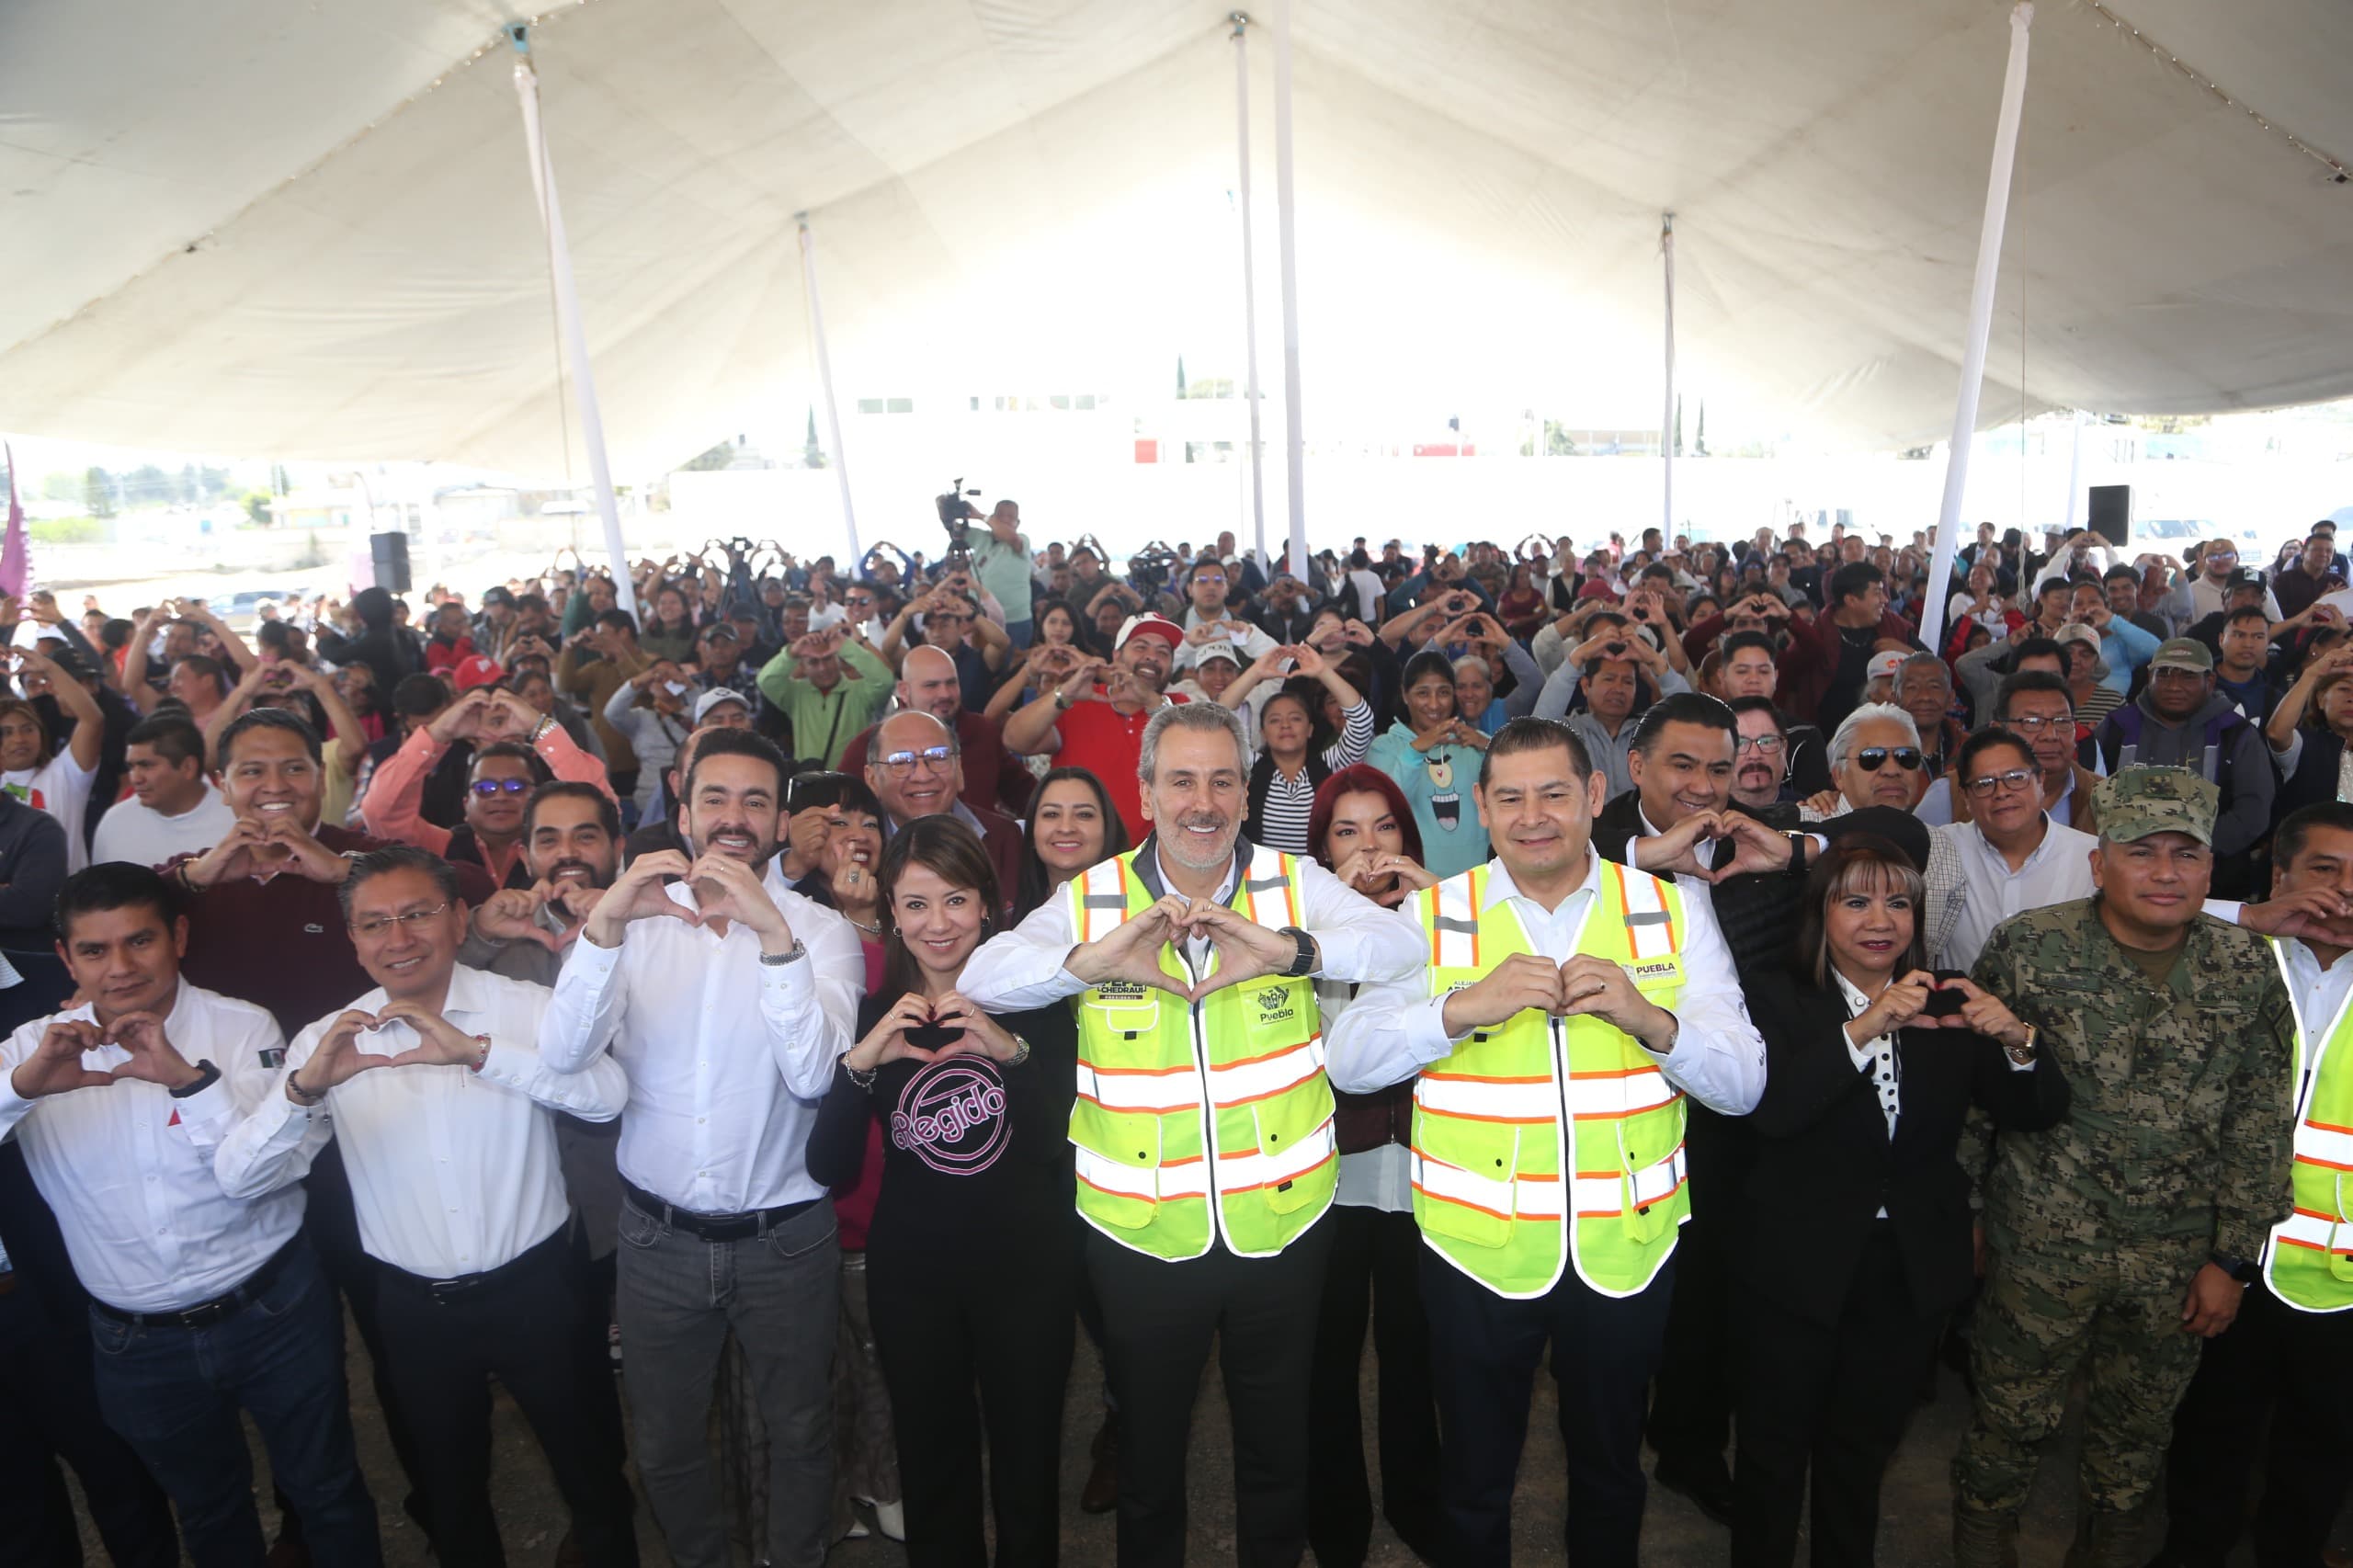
x,y
952,1116
1274,1005
1121,990
1652,971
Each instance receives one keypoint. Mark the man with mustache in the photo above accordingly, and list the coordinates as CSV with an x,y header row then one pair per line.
x,y
726,997
1099,727
572,845
1569,1008
433,1085
204,1305
994,778
916,770
1203,1127
515,749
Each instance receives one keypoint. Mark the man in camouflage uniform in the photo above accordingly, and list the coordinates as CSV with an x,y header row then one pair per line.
x,y
2175,1033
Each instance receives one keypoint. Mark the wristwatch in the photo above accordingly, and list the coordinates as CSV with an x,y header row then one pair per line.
x,y
1797,851
778,960
2024,1054
207,1075
2240,1269
1308,960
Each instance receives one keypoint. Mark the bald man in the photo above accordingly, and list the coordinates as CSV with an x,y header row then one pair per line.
x,y
916,770
994,779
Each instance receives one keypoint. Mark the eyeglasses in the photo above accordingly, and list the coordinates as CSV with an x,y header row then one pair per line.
x,y
937,758
2009,782
1769,745
2028,725
1905,758
379,925
499,786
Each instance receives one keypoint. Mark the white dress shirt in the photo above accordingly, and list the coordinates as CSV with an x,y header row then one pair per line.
x,y
1395,1030
1357,939
453,1172
726,1056
1379,1178
128,1169
2058,870
2319,995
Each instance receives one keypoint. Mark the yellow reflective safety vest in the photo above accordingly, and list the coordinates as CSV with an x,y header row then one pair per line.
x,y
1541,1120
1224,1098
2309,1264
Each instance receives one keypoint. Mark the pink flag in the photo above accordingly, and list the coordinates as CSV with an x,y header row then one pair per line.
x,y
16,563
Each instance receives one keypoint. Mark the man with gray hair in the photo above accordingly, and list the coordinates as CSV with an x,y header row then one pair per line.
x,y
1203,1130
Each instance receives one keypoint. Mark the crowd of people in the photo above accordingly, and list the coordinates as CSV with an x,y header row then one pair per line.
x,y
760,1019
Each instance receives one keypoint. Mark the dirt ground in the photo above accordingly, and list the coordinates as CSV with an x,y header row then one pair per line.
x,y
1914,1531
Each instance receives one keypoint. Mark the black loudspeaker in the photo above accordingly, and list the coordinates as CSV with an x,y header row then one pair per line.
x,y
390,552
2111,513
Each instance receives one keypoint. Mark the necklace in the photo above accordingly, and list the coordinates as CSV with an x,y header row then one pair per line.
x,y
873,930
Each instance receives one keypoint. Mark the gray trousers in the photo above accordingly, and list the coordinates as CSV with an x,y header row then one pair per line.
x,y
679,1296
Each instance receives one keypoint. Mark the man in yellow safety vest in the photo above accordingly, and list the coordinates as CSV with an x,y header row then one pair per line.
x,y
2286,1362
1202,1130
1569,1004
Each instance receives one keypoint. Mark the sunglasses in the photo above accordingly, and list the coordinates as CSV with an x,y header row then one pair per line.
x,y
1905,758
486,787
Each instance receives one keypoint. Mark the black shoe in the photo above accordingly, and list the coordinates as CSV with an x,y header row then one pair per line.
x,y
1708,1487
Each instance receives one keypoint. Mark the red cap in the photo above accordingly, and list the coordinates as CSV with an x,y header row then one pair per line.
x,y
477,669
1158,625
1594,588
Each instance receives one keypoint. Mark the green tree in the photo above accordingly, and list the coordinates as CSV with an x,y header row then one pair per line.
x,y
1678,427
257,507
1180,376
1700,437
1558,443
97,492
811,454
719,456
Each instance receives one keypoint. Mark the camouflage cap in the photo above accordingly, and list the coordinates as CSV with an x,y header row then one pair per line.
x,y
2138,801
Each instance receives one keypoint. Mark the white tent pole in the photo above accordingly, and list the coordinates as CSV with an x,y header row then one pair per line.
x,y
1981,323
1295,440
1249,285
2074,474
567,310
1667,413
825,385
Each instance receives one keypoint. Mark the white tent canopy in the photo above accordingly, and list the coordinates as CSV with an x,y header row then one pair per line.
x,y
309,231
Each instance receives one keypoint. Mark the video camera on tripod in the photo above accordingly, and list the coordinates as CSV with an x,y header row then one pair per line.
x,y
957,515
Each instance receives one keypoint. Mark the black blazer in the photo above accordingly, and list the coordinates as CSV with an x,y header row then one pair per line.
x,y
1825,1164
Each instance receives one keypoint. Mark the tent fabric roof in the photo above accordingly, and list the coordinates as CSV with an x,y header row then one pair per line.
x,y
245,227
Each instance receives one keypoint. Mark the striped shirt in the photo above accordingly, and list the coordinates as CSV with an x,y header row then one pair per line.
x,y
1289,801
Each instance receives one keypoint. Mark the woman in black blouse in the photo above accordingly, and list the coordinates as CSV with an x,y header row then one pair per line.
x,y
1857,1222
970,1269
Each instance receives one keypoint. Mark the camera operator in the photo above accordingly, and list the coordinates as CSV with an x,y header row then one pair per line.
x,y
1001,559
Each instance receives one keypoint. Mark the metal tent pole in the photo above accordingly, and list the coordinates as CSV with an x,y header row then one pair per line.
x,y
1981,321
1295,440
1666,411
567,310
825,384
1249,285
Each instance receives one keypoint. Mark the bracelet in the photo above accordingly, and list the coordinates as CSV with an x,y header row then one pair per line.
x,y
778,960
482,1057
1020,1052
860,1077
302,1095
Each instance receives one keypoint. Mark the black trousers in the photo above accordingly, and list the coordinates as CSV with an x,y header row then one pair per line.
x,y
1690,1423
49,1411
332,1227
1831,1398
1484,1350
1374,1276
2293,1369
522,1327
1158,1321
974,1345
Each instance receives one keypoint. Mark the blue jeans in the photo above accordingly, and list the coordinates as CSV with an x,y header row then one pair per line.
x,y
1021,631
780,1294
174,1395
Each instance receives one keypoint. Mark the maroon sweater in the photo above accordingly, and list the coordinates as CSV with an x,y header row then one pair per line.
x,y
282,944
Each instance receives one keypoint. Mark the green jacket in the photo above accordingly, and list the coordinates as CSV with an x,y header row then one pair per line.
x,y
2179,1113
841,713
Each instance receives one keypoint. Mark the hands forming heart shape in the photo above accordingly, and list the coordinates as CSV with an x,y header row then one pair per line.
x,y
512,914
1688,849
55,1066
339,1058
921,1029
1243,949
